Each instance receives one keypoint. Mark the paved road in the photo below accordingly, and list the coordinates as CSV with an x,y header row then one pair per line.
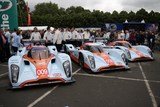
x,y
138,87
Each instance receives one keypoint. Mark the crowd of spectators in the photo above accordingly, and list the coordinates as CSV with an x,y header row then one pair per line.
x,y
11,41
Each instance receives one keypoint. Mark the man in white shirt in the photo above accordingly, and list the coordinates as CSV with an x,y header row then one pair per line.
x,y
58,39
35,35
74,34
75,37
66,35
87,34
48,37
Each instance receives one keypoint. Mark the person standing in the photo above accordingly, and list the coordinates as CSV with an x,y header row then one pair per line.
x,y
2,46
86,35
7,45
16,42
132,38
65,35
126,35
48,37
35,35
138,38
58,39
74,36
152,41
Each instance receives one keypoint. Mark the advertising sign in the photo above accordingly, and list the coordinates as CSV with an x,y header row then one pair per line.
x,y
8,14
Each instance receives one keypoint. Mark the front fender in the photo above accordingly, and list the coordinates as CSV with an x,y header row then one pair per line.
x,y
116,53
143,49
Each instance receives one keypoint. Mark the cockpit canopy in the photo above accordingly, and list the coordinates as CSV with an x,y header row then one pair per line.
x,y
125,44
93,48
39,53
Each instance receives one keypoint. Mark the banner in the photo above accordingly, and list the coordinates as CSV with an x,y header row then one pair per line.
x,y
8,14
113,26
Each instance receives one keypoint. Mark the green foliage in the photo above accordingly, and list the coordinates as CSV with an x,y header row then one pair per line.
x,y
50,14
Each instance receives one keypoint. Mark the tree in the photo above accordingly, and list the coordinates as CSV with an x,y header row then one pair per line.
x,y
141,14
114,16
22,12
123,15
131,16
51,14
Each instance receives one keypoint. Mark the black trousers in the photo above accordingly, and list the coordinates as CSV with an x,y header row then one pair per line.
x,y
2,53
59,47
15,49
7,50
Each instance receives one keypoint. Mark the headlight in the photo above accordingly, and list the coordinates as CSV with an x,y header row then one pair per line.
x,y
66,66
92,61
14,73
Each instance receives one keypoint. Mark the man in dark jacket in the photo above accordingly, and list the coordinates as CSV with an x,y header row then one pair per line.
x,y
2,46
151,40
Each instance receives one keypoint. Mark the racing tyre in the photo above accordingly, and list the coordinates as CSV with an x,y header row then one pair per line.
x,y
65,50
81,60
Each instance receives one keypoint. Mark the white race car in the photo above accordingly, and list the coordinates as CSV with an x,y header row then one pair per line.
x,y
39,65
133,53
93,57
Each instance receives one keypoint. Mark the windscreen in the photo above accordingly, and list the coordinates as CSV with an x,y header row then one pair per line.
x,y
96,49
39,53
127,45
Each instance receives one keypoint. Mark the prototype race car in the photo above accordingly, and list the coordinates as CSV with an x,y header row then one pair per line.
x,y
39,65
93,57
134,53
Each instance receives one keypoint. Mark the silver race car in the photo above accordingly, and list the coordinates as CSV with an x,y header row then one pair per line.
x,y
133,53
39,65
93,57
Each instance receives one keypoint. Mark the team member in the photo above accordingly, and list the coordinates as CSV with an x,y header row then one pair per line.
x,y
8,41
35,35
86,35
2,46
66,35
74,36
48,37
16,42
58,39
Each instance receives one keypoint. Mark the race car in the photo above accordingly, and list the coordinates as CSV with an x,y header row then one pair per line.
x,y
39,65
93,57
134,53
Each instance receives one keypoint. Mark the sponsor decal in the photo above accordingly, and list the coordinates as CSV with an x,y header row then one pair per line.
x,y
57,75
8,14
41,72
5,5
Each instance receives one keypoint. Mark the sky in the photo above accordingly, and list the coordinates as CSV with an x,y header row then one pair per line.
x,y
104,5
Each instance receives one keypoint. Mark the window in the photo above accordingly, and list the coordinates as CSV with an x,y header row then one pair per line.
x,y
39,53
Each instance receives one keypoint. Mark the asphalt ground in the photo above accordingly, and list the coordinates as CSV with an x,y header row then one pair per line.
x,y
137,87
